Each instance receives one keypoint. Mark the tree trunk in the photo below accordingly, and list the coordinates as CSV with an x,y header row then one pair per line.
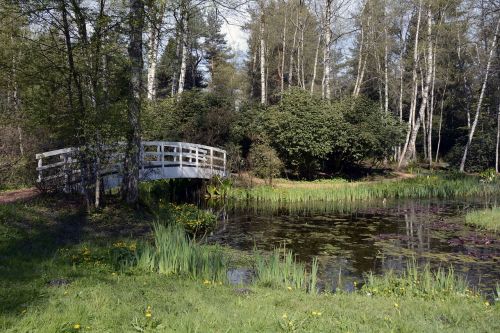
x,y
498,139
386,72
480,101
184,42
154,39
441,118
403,159
263,94
282,78
328,40
315,68
290,71
132,155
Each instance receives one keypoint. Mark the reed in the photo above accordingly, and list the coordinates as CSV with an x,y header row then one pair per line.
x,y
281,269
435,186
174,254
488,219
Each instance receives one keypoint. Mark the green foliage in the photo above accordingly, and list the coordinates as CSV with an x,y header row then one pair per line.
x,y
418,282
264,162
193,219
303,130
488,219
481,154
199,117
367,132
488,175
174,254
219,188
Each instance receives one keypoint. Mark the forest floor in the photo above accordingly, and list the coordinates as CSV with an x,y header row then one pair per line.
x,y
18,195
56,275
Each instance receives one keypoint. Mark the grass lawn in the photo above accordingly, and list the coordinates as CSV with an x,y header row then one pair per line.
x,y
57,275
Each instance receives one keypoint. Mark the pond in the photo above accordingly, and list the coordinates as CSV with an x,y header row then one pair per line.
x,y
352,240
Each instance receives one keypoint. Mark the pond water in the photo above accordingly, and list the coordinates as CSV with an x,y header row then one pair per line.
x,y
376,236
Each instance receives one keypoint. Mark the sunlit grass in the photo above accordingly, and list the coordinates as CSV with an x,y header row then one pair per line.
x,y
435,186
488,219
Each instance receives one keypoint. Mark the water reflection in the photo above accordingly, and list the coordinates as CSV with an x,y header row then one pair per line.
x,y
352,239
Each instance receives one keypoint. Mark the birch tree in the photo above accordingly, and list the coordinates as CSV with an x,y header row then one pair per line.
x,y
481,97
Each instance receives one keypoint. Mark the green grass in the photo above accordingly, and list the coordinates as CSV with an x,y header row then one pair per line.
x,y
49,239
432,186
488,219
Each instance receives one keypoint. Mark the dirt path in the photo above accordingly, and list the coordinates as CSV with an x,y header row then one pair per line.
x,y
18,195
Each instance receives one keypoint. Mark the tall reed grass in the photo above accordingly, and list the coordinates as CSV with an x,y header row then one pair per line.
x,y
281,269
173,253
435,186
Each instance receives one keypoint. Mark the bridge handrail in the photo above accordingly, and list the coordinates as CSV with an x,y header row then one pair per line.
x,y
180,154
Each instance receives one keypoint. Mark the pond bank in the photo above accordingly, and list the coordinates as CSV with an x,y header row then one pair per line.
x,y
58,275
437,185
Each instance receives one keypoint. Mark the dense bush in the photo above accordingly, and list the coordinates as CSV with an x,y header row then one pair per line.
x,y
264,162
367,132
199,117
303,130
307,131
481,154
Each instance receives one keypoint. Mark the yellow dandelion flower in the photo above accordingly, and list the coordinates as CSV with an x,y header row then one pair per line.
x,y
289,288
148,314
206,282
396,305
487,303
76,326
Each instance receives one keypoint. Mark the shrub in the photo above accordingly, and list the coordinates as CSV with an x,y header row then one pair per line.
x,y
302,129
264,162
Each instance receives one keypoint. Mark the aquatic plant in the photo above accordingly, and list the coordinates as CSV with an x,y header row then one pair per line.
x,y
192,218
488,219
173,253
281,269
218,188
418,281
435,186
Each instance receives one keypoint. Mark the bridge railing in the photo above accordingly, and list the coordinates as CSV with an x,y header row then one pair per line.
x,y
159,160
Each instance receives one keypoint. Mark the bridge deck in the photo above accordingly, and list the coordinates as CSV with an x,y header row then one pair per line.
x,y
159,160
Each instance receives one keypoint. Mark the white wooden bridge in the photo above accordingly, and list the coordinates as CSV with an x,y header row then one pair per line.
x,y
159,160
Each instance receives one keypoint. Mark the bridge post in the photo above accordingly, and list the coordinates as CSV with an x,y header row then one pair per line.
x,y
197,158
180,155
40,171
224,156
211,162
162,146
65,172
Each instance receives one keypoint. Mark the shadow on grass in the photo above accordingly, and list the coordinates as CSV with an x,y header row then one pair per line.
x,y
30,236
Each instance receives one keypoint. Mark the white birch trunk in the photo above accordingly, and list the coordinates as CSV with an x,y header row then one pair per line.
x,y
315,68
328,40
282,78
403,159
263,97
184,41
480,101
